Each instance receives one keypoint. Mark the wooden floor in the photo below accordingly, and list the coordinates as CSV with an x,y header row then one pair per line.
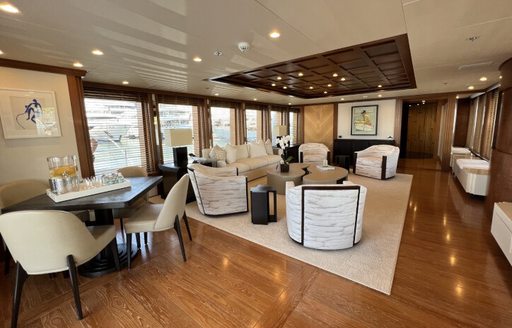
x,y
450,273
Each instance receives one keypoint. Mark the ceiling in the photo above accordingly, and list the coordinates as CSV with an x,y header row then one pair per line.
x,y
152,43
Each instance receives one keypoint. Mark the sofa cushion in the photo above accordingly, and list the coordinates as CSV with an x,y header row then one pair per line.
x,y
257,149
242,167
217,153
230,153
268,147
255,162
242,151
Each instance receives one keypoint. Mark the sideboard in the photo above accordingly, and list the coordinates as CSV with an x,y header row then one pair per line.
x,y
347,147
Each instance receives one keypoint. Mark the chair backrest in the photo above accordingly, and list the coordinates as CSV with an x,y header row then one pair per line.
x,y
17,191
313,152
133,171
174,204
41,240
381,150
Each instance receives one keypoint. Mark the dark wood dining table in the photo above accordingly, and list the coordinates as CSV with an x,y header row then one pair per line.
x,y
103,204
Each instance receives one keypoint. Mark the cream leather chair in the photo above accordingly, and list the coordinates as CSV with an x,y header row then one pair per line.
x,y
313,153
52,241
219,191
160,217
325,217
378,162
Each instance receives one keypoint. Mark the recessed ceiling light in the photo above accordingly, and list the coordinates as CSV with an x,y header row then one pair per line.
x,y
1,52
78,64
410,105
325,91
197,59
342,99
417,104
457,97
216,94
329,85
279,78
380,96
291,96
125,82
311,88
289,104
9,8
379,86
342,79
255,99
501,77
300,74
471,87
285,87
365,96
483,79
334,74
97,52
274,34
273,84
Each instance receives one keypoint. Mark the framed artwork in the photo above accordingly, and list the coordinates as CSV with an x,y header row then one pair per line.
x,y
29,114
364,120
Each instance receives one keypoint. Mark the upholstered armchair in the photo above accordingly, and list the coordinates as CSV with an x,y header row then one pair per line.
x,y
325,217
378,162
218,191
313,153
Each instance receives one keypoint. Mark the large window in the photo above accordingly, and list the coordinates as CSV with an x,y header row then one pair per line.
x,y
174,117
116,133
293,121
221,125
275,120
253,124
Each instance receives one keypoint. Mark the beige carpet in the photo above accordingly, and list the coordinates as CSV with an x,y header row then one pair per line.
x,y
371,263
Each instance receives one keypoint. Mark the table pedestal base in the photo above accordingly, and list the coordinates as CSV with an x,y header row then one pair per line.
x,y
104,263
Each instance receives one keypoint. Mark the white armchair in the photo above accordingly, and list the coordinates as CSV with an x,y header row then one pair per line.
x,y
325,217
378,162
218,191
313,153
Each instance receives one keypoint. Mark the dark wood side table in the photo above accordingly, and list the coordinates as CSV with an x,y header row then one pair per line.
x,y
171,174
260,204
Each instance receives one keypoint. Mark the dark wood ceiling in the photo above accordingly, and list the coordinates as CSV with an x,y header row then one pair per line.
x,y
352,70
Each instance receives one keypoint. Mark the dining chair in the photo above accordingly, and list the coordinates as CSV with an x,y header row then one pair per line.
x,y
160,217
44,242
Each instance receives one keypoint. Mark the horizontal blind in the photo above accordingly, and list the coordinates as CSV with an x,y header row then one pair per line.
x,y
174,116
224,103
179,100
116,129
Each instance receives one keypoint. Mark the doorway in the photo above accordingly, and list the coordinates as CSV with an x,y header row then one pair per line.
x,y
419,129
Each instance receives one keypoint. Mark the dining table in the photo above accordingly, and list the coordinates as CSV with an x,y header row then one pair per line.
x,y
103,205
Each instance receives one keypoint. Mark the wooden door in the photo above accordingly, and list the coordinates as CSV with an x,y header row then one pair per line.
x,y
420,130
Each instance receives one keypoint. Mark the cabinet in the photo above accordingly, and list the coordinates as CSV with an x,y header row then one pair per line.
x,y
501,227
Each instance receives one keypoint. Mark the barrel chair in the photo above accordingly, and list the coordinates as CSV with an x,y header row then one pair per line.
x,y
313,153
378,162
327,217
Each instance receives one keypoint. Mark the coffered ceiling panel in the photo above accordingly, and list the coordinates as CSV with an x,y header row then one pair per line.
x,y
356,69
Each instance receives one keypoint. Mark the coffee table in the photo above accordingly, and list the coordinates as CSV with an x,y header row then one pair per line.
x,y
318,176
278,179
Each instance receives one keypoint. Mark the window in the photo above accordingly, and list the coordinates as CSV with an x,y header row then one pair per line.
x,y
292,120
116,133
174,117
221,125
275,120
253,124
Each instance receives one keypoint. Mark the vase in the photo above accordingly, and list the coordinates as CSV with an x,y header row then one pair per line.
x,y
284,167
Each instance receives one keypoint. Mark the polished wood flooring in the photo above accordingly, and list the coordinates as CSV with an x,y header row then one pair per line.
x,y
450,273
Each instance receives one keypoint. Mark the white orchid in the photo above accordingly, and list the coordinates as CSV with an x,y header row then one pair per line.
x,y
283,142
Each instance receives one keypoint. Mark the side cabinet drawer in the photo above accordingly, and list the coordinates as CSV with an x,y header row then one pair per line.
x,y
502,235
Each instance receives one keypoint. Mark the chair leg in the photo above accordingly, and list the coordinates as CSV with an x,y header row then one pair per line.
x,y
185,218
129,249
145,238
7,260
115,254
73,278
177,227
21,276
137,239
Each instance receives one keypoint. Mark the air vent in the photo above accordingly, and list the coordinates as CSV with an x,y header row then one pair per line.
x,y
474,65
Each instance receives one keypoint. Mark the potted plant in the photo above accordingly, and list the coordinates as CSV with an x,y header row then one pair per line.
x,y
283,142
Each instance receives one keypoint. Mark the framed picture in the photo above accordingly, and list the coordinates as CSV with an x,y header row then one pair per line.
x,y
29,114
364,120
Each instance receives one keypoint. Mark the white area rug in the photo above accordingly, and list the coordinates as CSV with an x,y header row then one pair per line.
x,y
371,263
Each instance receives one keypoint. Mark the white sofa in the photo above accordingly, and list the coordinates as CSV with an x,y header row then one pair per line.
x,y
327,217
251,160
473,175
459,152
378,162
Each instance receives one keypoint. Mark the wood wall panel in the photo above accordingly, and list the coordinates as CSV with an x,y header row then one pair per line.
x,y
319,124
421,129
461,123
447,130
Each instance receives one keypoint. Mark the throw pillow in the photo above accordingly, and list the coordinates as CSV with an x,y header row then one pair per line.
x,y
242,151
218,153
230,153
268,147
257,149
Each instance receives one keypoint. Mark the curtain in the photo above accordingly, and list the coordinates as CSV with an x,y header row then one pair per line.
x,y
489,123
471,125
203,130
266,128
238,125
479,122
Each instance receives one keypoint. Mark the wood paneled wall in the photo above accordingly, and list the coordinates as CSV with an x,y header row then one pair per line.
x,y
447,131
461,123
421,128
319,124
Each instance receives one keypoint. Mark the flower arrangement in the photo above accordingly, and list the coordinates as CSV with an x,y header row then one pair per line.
x,y
282,143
